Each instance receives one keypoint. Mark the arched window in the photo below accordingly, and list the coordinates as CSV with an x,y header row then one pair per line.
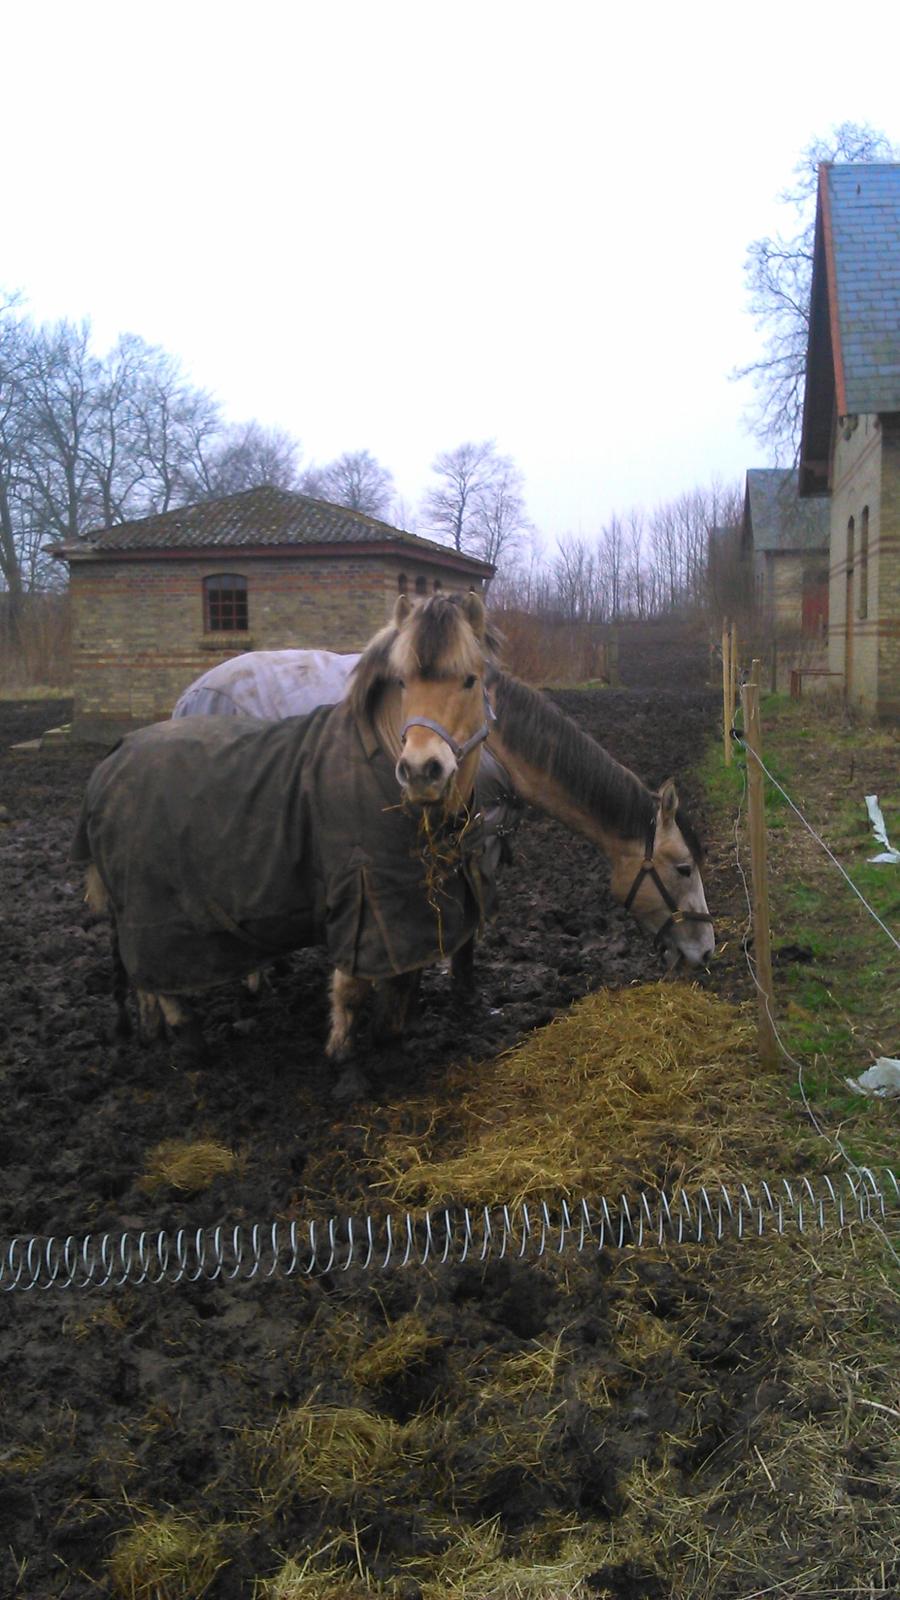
x,y
863,585
421,584
225,603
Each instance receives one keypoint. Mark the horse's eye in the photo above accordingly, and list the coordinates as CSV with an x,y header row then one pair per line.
x,y
469,682
685,871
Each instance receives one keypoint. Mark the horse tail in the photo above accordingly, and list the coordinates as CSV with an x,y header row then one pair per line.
x,y
95,892
96,896
119,984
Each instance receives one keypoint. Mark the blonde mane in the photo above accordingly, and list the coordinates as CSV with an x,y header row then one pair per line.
x,y
435,640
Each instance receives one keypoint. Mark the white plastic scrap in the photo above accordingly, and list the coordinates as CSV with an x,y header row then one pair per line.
x,y
890,855
882,1080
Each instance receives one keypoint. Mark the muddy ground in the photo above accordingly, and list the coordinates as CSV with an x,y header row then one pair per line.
x,y
117,1405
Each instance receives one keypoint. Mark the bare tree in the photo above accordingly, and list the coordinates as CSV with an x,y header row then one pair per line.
x,y
477,503
15,337
611,561
247,456
500,522
778,274
354,479
450,506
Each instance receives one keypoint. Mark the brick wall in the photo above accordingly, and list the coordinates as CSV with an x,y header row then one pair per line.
x,y
865,649
887,573
138,624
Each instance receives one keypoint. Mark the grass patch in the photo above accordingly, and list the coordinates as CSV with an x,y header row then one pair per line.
x,y
836,1011
11,693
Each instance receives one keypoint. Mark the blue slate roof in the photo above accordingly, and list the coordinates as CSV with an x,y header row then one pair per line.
x,y
864,207
775,518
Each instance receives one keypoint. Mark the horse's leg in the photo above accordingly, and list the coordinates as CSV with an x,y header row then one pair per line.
x,y
150,1018
462,969
347,995
119,986
184,1027
395,1001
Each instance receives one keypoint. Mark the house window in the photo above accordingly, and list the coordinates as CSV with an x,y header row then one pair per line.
x,y
863,586
225,603
438,586
421,584
402,583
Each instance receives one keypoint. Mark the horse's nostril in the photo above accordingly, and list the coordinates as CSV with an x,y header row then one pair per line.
x,y
403,771
432,770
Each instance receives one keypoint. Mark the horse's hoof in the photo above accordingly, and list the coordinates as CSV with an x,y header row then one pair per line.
x,y
189,1048
351,1085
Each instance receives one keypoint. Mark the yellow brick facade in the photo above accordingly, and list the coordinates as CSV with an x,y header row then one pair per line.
x,y
138,621
864,575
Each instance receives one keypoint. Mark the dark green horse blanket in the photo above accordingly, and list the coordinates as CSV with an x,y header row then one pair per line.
x,y
224,841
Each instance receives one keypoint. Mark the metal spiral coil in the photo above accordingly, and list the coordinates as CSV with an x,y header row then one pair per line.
x,y
244,1252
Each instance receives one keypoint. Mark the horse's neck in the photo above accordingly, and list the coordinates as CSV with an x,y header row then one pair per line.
x,y
585,807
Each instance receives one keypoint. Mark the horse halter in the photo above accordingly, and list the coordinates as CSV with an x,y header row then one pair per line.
x,y
647,869
459,750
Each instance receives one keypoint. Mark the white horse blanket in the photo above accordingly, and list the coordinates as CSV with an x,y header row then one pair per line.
x,y
269,684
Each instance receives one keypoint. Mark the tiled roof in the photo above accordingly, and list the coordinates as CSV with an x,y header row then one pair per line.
x,y
777,519
864,207
260,517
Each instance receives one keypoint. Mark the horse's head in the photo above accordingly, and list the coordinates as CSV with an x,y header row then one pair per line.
x,y
438,656
658,881
422,682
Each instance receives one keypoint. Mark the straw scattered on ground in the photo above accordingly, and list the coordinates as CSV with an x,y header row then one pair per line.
x,y
661,1071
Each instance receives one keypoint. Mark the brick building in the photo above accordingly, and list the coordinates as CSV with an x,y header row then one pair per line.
x,y
158,601
784,540
851,423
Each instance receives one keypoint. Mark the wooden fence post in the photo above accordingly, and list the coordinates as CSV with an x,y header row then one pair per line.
x,y
727,710
734,660
762,947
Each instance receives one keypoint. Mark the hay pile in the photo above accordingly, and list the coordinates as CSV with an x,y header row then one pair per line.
x,y
644,1086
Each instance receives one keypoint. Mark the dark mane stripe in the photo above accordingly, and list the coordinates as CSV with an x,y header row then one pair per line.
x,y
437,637
536,729
438,632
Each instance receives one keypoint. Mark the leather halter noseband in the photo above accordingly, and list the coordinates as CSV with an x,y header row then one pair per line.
x,y
647,869
459,750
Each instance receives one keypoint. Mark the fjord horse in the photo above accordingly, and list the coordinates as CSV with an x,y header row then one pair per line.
x,y
217,843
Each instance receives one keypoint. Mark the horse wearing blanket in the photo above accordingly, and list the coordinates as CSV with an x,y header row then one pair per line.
x,y
218,843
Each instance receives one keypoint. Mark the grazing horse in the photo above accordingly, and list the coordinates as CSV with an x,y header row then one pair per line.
x,y
653,851
217,843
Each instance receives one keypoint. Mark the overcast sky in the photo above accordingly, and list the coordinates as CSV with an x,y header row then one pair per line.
x,y
397,226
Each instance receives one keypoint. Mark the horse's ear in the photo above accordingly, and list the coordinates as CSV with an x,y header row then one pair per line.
x,y
668,801
475,614
402,609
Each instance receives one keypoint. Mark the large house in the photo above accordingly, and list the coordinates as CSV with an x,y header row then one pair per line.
x,y
851,423
158,601
784,541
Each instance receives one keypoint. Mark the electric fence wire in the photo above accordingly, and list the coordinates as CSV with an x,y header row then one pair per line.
x,y
833,1139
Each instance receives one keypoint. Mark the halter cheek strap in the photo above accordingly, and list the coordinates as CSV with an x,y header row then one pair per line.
x,y
647,869
459,750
